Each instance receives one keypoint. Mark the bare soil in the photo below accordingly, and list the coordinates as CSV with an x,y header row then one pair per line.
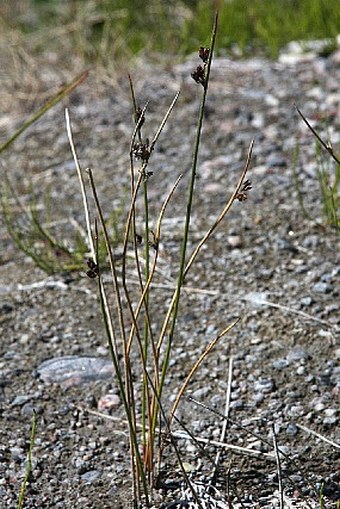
x,y
268,264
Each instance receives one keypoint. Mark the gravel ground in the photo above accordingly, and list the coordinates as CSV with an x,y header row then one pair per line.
x,y
267,264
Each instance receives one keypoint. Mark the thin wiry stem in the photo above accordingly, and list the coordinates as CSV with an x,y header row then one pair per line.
x,y
86,209
145,301
127,392
224,211
130,224
186,435
29,461
150,447
153,268
149,453
128,406
164,121
114,277
204,239
326,145
278,465
109,325
318,435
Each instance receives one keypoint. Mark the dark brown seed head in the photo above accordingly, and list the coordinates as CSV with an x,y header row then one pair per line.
x,y
204,53
198,75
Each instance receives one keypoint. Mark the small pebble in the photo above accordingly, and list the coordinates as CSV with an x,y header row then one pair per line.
x,y
291,429
300,370
322,287
17,453
330,412
319,407
266,385
200,393
306,301
90,476
21,400
108,402
297,354
280,364
234,241
330,421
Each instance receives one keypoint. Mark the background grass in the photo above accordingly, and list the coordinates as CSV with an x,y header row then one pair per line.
x,y
45,43
106,30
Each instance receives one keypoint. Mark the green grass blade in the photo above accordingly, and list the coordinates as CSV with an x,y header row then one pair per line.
x,y
52,102
29,461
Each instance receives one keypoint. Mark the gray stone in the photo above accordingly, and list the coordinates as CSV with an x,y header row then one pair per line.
x,y
306,301
291,429
297,354
322,287
75,370
90,476
280,364
21,400
264,385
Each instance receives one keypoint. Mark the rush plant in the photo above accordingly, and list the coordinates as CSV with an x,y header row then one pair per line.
x,y
130,322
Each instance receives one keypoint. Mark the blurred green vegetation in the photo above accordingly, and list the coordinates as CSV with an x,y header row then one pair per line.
x,y
265,26
104,30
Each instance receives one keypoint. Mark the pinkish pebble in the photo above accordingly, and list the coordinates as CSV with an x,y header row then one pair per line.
x,y
108,402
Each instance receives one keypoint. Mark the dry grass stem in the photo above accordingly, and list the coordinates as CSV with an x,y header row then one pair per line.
x,y
226,415
224,211
52,102
199,361
318,435
82,186
265,302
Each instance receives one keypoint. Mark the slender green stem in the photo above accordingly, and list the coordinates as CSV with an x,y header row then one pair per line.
x,y
145,403
127,388
187,217
130,226
29,461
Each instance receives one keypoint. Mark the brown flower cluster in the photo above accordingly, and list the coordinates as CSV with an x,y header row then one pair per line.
x,y
199,74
